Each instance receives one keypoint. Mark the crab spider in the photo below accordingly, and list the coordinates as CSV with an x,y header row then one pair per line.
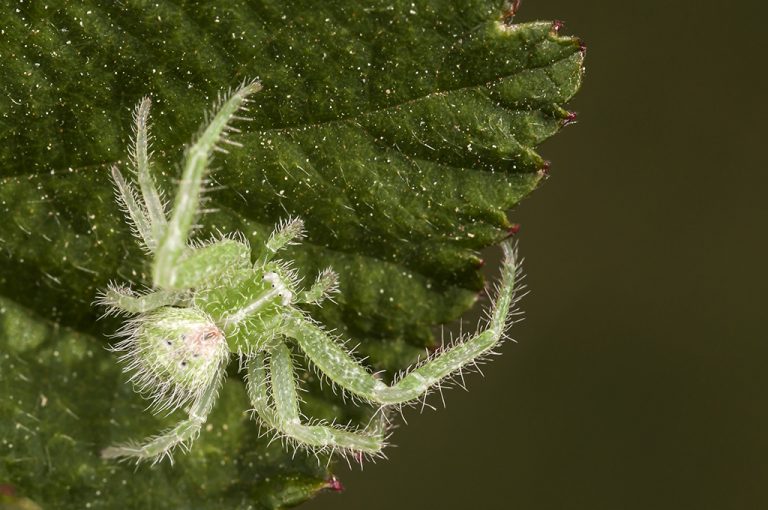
x,y
209,301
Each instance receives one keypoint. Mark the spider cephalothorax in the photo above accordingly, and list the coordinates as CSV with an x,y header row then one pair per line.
x,y
209,301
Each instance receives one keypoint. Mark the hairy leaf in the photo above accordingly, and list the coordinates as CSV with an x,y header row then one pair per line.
x,y
401,132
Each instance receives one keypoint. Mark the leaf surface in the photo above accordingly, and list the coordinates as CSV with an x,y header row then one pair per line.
x,y
400,132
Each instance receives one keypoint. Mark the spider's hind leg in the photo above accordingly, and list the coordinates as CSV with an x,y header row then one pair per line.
x,y
158,446
285,416
186,431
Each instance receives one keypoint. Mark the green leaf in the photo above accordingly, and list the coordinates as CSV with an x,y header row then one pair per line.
x,y
401,132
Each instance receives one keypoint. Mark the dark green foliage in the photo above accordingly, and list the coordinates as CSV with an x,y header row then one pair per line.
x,y
400,133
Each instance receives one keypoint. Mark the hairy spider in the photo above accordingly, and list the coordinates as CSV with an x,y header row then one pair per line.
x,y
210,300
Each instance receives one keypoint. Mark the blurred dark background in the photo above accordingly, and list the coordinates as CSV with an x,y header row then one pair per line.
x,y
639,380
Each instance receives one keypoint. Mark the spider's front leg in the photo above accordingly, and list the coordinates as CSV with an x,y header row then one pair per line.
x,y
170,270
284,415
177,266
341,368
147,212
326,284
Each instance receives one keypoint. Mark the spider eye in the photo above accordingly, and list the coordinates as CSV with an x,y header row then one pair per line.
x,y
168,342
183,364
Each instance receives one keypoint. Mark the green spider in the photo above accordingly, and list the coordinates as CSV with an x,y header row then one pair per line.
x,y
209,301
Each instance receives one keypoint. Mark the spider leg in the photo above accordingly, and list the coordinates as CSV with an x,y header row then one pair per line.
x,y
173,244
285,416
340,367
186,431
123,299
134,209
152,200
284,234
158,446
147,213
327,283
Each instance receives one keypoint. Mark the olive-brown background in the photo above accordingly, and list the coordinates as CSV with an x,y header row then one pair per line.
x,y
639,380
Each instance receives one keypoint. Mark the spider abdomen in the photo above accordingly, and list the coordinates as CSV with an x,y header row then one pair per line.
x,y
173,354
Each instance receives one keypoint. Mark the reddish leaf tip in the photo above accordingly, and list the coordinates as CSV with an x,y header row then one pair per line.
x,y
570,118
334,484
509,13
